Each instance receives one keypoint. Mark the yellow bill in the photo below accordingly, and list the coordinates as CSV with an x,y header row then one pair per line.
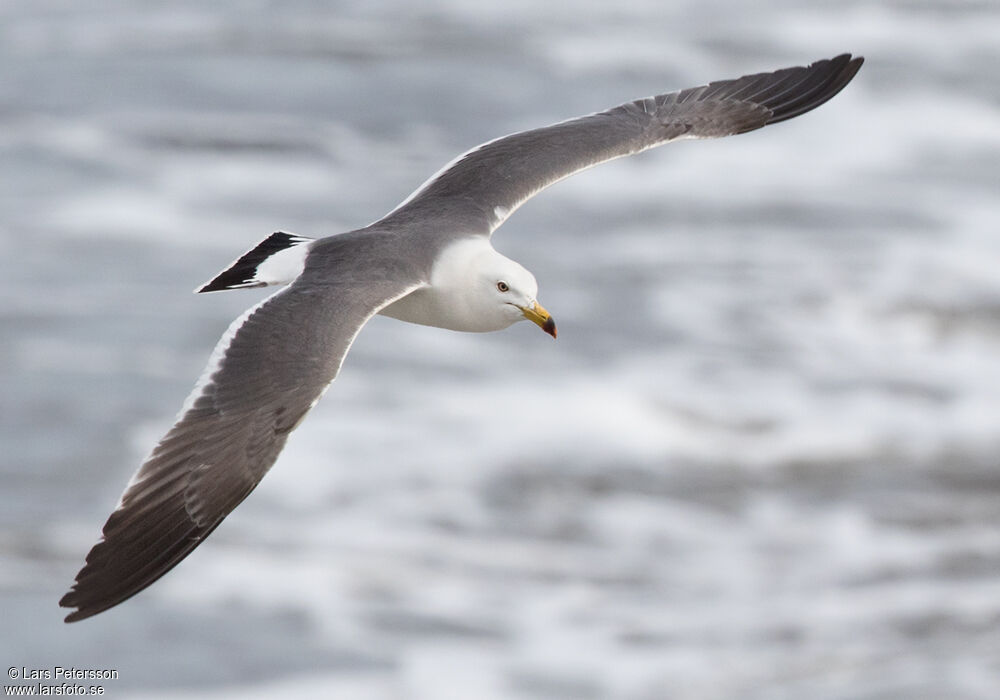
x,y
538,315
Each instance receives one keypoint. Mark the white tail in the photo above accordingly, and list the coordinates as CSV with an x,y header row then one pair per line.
x,y
278,259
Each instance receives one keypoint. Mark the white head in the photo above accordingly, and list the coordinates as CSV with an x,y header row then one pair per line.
x,y
478,289
511,292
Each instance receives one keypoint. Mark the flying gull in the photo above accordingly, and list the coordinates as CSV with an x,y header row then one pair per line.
x,y
428,261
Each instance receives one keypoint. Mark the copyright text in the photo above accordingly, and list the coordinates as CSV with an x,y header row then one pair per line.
x,y
33,681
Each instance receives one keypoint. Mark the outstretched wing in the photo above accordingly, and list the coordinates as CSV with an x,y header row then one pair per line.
x,y
269,369
489,182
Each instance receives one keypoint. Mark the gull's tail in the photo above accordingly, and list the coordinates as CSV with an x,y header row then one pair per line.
x,y
278,259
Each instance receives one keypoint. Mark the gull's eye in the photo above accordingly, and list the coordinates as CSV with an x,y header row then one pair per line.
x,y
503,286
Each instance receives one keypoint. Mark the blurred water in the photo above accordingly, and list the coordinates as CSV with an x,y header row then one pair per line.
x,y
759,462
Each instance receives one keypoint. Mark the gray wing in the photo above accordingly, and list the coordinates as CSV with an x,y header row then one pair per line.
x,y
486,184
266,373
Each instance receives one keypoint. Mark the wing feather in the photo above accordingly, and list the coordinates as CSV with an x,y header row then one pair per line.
x,y
487,184
266,373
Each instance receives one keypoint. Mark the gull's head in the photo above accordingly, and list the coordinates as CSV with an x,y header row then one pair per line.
x,y
478,289
512,292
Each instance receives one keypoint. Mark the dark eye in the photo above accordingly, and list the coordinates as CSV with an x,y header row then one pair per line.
x,y
503,286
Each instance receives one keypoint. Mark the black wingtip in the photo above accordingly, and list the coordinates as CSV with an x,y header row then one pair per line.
x,y
72,600
75,616
819,82
118,570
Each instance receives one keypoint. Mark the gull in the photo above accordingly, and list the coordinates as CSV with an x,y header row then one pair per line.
x,y
428,261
